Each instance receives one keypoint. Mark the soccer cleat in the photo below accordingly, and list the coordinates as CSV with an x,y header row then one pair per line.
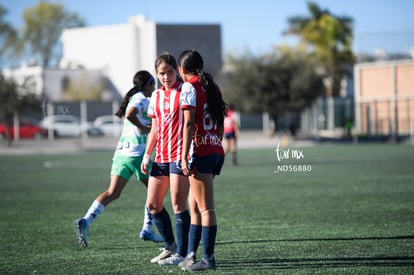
x,y
165,253
174,259
150,236
81,232
201,265
186,262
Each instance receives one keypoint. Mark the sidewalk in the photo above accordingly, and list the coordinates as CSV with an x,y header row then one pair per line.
x,y
248,139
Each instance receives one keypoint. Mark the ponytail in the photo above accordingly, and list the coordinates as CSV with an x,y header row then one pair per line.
x,y
215,102
141,79
122,109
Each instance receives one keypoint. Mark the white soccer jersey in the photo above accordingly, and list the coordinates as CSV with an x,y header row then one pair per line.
x,y
133,140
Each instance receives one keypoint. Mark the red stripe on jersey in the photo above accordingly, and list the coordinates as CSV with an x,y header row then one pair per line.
x,y
188,107
165,108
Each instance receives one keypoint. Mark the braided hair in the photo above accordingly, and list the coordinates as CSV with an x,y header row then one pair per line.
x,y
192,62
141,79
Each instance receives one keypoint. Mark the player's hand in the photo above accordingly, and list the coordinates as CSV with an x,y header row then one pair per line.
x,y
184,167
144,164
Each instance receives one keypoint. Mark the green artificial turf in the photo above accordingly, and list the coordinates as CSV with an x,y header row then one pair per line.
x,y
352,213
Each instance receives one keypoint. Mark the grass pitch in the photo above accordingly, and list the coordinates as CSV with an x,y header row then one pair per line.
x,y
330,209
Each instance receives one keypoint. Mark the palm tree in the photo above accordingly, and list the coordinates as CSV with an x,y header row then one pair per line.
x,y
330,37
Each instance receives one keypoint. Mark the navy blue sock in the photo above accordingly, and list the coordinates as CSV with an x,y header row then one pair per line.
x,y
194,238
182,226
208,237
163,223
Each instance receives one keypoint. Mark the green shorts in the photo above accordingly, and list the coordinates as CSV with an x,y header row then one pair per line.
x,y
127,166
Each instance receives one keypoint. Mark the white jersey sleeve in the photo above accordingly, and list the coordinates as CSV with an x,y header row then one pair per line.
x,y
151,108
188,95
140,102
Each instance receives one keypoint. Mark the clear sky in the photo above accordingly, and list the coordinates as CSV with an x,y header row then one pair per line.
x,y
253,26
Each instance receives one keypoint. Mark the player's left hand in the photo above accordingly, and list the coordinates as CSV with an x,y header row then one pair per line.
x,y
144,164
185,167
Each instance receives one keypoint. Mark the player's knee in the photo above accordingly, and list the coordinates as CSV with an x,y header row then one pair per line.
x,y
208,212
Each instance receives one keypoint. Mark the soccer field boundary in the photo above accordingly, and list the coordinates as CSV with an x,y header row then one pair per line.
x,y
406,237
247,140
318,263
56,164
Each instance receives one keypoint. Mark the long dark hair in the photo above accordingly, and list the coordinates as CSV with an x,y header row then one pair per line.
x,y
192,62
166,58
141,79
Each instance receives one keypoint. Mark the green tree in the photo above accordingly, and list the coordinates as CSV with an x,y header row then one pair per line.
x,y
8,36
331,39
14,98
277,84
44,24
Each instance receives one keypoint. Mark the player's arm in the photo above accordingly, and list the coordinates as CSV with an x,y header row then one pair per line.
x,y
151,143
152,138
236,128
235,124
188,131
132,115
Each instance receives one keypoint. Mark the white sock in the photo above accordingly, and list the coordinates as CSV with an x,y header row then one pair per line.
x,y
94,211
147,226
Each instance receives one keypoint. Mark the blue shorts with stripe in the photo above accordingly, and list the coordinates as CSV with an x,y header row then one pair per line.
x,y
165,169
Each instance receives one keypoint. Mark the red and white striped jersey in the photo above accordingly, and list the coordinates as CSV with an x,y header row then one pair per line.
x,y
165,107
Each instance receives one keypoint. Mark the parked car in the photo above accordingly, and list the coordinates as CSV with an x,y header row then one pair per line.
x,y
110,125
28,128
68,126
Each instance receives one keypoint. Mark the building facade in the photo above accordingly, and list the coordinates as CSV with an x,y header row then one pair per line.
x,y
384,98
121,50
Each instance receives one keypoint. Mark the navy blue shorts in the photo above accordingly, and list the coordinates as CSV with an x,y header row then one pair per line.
x,y
210,164
230,135
165,169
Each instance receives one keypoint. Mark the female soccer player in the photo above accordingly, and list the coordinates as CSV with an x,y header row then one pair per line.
x,y
166,138
231,133
204,111
127,157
